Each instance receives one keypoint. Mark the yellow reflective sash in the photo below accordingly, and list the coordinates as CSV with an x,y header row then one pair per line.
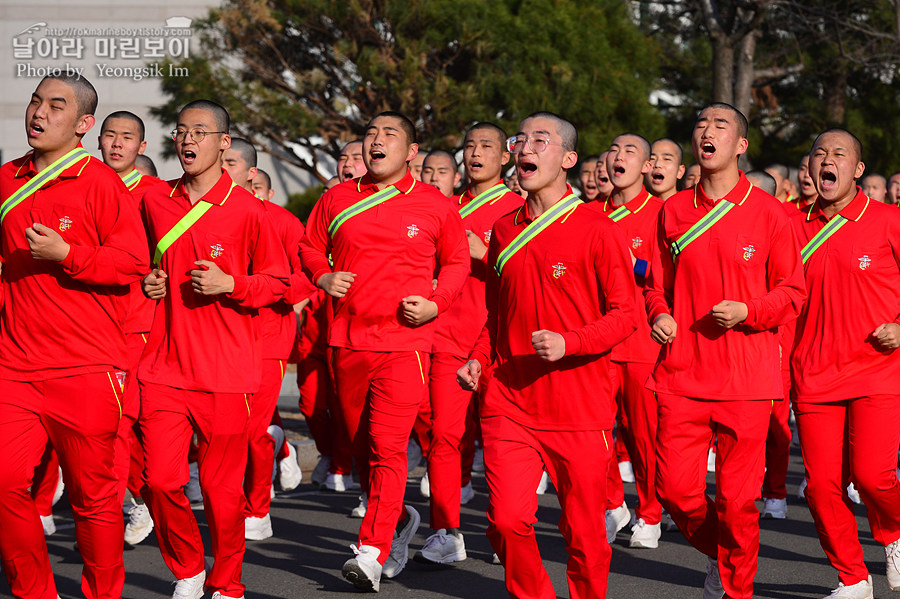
x,y
822,236
41,179
181,227
704,224
621,212
360,207
132,179
557,211
485,197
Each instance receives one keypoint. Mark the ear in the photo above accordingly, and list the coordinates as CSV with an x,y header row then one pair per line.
x,y
646,168
742,146
142,148
680,174
225,143
251,172
412,152
860,169
271,194
457,179
505,156
84,124
570,159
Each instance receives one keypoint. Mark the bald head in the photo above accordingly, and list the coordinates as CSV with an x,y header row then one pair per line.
x,y
564,129
85,94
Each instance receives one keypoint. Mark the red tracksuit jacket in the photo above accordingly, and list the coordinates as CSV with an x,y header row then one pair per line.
x,y
140,308
458,328
211,343
394,249
751,256
66,318
639,228
278,321
854,286
574,278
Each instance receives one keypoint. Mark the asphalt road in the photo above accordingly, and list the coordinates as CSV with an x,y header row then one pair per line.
x,y
313,534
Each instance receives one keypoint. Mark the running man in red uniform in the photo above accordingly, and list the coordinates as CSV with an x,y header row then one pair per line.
x,y
725,275
217,261
561,298
121,141
387,234
587,180
71,243
452,433
845,362
636,212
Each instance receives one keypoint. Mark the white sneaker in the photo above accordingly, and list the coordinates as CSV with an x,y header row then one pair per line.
x,y
478,462
289,473
443,548
425,486
190,588
363,571
644,535
320,472
257,529
892,565
626,471
711,460
775,508
670,524
466,494
616,520
339,483
60,487
495,559
360,510
853,494
860,590
545,482
192,489
396,561
49,525
712,587
140,524
218,595
801,491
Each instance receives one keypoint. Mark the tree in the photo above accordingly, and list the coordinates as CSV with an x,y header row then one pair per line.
x,y
302,77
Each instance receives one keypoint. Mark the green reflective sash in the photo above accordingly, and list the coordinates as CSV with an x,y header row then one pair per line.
x,y
621,212
187,221
132,179
360,207
701,227
822,236
557,211
42,178
485,197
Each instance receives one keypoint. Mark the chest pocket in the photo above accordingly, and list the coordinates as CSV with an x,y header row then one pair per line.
x,y
750,251
224,250
560,269
67,220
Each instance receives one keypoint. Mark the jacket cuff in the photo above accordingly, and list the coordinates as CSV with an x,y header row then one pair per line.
x,y
573,343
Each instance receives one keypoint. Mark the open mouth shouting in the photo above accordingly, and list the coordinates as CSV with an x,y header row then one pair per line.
x,y
707,149
618,170
827,179
35,130
658,177
475,166
188,156
377,155
526,169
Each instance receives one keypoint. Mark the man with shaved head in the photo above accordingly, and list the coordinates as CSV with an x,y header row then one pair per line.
x,y
874,186
893,190
350,163
441,170
781,174
602,179
239,161
72,243
849,416
555,309
726,274
415,165
691,176
666,170
586,180
636,212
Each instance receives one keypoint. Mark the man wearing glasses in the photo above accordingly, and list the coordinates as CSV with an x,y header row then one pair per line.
x,y
559,298
217,260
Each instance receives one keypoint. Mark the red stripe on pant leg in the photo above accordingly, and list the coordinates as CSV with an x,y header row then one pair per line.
x,y
261,445
82,420
395,394
23,549
823,430
513,464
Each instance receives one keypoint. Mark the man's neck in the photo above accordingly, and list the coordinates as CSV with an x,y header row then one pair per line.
x,y
389,180
124,172
622,195
665,195
543,199
477,188
44,158
199,185
829,209
807,200
717,184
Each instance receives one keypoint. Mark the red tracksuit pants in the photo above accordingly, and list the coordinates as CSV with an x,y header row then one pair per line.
x,y
451,408
727,528
514,459
169,417
856,440
778,445
129,458
380,394
79,416
318,405
46,478
261,445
